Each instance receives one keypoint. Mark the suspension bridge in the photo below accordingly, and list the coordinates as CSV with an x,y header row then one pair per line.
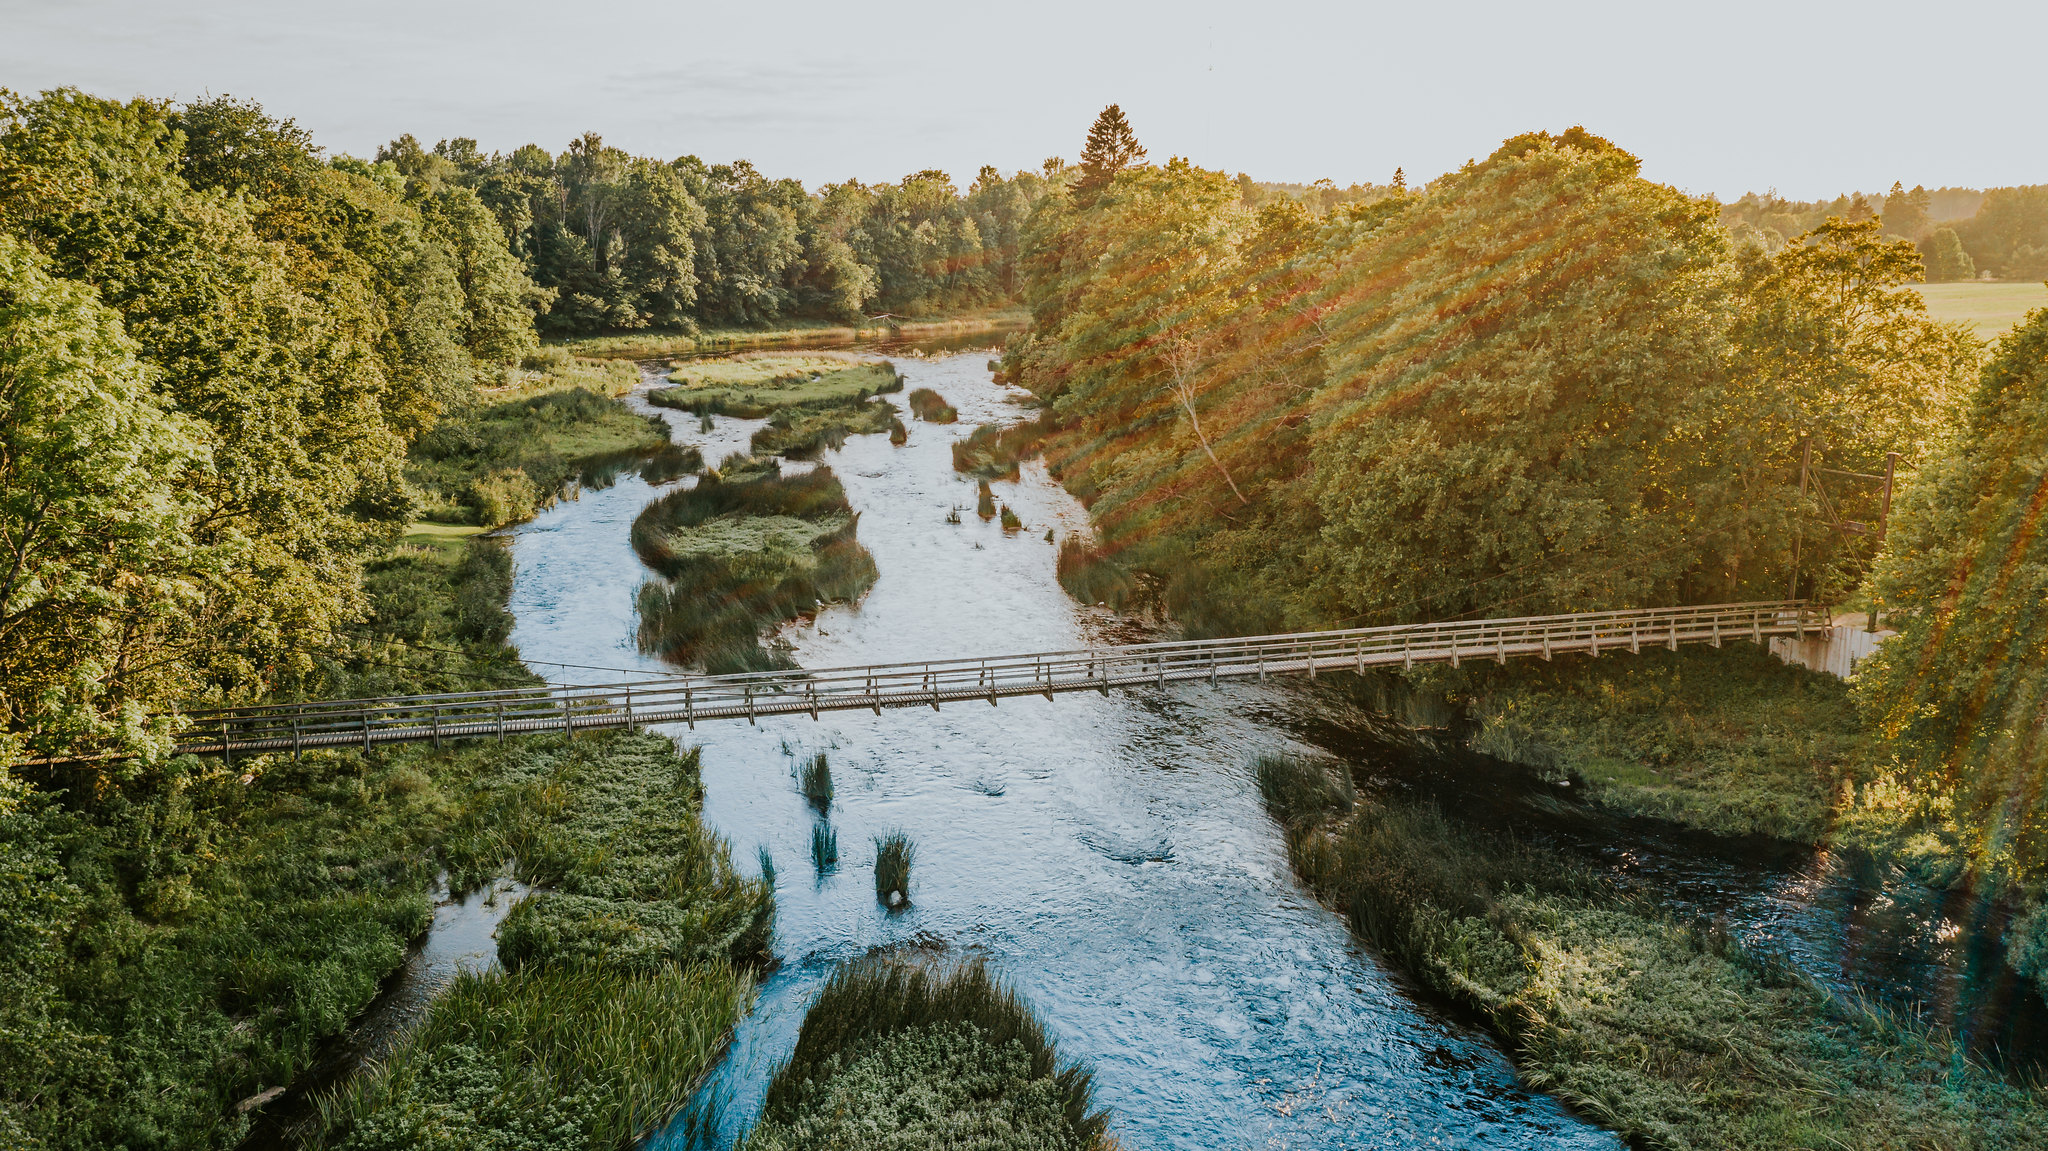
x,y
694,699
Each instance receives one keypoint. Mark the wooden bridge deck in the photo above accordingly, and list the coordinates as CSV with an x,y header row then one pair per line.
x,y
690,699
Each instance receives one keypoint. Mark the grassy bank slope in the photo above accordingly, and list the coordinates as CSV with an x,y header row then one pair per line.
x,y
1729,740
815,333
1663,1030
894,1054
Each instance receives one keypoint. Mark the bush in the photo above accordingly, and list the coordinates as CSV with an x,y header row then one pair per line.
x,y
1092,577
993,452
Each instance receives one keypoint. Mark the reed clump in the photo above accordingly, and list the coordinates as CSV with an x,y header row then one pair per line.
x,y
994,453
1092,576
985,502
1010,521
739,558
894,853
898,434
931,407
952,1038
814,779
824,847
1665,1029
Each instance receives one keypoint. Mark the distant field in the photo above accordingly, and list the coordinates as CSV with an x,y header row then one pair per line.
x,y
1992,309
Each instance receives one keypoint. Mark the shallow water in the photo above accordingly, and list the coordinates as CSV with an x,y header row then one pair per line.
x,y
1108,854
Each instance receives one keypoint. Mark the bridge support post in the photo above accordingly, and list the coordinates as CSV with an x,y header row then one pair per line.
x,y
1500,647
1407,654
436,722
629,711
501,721
1546,643
1311,660
1673,644
1361,657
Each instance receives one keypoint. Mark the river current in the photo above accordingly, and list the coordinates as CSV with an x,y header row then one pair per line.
x,y
1109,856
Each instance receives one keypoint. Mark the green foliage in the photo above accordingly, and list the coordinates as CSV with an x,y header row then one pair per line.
x,y
1296,789
1667,1032
96,521
1386,413
1945,257
740,556
993,453
1960,691
1010,521
894,853
1092,577
935,1057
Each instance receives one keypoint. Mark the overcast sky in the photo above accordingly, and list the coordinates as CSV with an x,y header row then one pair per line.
x,y
1808,98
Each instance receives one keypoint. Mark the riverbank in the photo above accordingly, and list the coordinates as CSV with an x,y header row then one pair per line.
x,y
621,977
513,450
1729,740
807,333
1667,1031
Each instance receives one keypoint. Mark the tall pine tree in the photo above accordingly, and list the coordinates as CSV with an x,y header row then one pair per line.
x,y
1111,148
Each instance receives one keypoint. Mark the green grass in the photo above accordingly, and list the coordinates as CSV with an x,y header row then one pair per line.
x,y
511,451
1010,521
572,1056
739,558
894,853
621,976
1092,577
802,433
653,344
448,540
896,1054
1730,740
1664,1030
753,386
1990,309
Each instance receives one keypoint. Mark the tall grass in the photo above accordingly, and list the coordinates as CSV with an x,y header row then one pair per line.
x,y
894,853
931,407
1296,788
751,387
814,779
1010,521
870,1002
1092,577
535,1055
824,847
985,502
898,434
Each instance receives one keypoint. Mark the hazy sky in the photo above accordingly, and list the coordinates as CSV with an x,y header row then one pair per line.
x,y
1809,98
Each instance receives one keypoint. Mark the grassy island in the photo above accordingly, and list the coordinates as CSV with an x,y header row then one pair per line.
x,y
753,386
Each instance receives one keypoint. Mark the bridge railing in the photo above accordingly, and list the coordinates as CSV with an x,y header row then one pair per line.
x,y
688,699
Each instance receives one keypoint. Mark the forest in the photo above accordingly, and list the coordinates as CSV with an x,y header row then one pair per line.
x,y
237,372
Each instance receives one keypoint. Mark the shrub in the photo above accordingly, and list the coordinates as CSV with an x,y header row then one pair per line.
x,y
1295,788
1092,577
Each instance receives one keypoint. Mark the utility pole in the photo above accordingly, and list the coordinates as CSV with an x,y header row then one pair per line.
x,y
1884,523
1805,462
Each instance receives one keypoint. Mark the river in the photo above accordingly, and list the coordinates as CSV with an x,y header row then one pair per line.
x,y
1109,855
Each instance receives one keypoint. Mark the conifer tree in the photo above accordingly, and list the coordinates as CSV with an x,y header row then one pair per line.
x,y
1111,148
